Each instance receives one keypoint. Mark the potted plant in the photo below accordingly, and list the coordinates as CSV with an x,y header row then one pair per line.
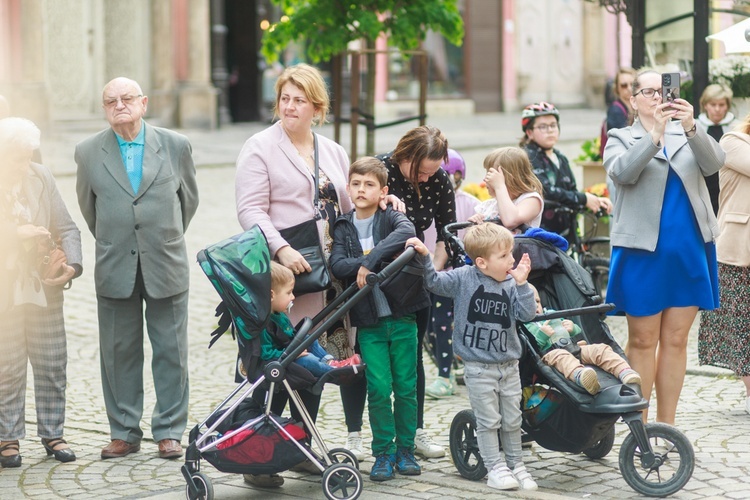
x,y
734,72
591,162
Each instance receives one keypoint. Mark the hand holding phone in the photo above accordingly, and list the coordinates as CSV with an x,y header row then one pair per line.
x,y
670,87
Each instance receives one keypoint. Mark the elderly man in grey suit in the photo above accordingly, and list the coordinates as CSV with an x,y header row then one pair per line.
x,y
137,191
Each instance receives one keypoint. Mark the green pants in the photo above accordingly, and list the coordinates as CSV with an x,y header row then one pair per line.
x,y
390,350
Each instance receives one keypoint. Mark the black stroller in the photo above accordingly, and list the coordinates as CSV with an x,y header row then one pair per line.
x,y
655,459
240,435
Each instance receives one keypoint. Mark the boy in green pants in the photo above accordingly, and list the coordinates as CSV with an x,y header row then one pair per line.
x,y
364,240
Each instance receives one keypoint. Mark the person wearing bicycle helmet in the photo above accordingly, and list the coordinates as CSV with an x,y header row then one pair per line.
x,y
540,123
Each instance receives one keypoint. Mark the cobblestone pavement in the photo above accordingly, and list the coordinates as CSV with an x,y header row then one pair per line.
x,y
710,412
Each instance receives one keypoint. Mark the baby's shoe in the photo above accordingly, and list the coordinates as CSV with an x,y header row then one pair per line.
x,y
350,361
586,378
630,376
524,478
501,478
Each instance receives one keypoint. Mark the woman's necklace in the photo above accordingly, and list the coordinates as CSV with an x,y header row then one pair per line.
x,y
305,152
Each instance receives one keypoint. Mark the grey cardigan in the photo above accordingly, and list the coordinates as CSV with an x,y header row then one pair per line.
x,y
639,170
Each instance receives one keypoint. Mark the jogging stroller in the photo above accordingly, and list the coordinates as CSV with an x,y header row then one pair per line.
x,y
240,435
655,459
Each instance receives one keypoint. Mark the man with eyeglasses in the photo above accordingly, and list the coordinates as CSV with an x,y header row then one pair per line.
x,y
540,123
137,191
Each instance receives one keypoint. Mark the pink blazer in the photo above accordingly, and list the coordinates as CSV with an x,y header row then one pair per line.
x,y
274,189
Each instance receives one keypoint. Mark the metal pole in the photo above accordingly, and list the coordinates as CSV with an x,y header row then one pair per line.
x,y
355,104
337,68
219,72
639,32
701,10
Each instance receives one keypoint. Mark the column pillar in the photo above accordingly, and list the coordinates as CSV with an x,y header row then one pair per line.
x,y
29,96
197,106
162,96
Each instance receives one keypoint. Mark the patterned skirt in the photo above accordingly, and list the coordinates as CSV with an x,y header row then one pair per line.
x,y
724,336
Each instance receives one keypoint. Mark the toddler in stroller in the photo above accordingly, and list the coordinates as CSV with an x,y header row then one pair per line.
x,y
243,435
554,339
655,459
279,333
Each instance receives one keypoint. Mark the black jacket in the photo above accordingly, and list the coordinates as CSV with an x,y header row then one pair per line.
x,y
559,185
405,290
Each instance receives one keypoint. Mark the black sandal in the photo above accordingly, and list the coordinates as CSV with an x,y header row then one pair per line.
x,y
8,461
63,455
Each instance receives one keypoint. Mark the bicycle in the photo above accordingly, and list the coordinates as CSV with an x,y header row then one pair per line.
x,y
590,251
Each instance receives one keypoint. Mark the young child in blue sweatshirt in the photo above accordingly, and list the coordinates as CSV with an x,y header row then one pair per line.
x,y
489,297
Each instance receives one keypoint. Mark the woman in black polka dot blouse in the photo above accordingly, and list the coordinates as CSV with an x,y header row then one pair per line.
x,y
415,176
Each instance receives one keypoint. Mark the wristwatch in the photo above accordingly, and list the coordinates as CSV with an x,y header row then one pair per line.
x,y
691,131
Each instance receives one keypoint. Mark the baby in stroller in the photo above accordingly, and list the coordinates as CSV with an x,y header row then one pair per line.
x,y
280,332
559,351
484,336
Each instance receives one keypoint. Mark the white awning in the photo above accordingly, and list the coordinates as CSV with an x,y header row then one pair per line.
x,y
736,38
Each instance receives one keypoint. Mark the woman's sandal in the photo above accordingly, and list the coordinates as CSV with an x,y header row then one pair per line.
x,y
63,454
8,461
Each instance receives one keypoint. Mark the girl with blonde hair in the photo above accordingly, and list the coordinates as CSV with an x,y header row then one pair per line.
x,y
516,191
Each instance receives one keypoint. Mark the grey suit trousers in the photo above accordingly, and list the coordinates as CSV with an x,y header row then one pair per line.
x,y
121,349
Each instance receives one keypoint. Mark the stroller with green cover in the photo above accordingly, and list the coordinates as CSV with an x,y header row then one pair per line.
x,y
240,435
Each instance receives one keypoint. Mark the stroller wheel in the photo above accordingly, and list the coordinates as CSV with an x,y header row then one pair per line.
x,y
464,447
672,467
603,447
343,456
342,482
204,486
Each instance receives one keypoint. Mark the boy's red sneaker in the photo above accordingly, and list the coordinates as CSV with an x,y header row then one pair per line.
x,y
350,361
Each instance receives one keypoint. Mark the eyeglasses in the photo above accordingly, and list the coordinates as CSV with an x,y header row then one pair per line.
x,y
648,93
126,100
547,127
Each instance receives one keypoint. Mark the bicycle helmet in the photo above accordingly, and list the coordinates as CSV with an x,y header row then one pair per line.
x,y
532,111
455,163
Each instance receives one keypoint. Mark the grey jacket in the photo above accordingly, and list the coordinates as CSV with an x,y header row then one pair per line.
x,y
485,312
147,227
47,209
639,169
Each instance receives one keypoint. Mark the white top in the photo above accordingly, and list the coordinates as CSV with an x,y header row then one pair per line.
x,y
488,208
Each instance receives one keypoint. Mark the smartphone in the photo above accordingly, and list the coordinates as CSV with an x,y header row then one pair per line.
x,y
670,87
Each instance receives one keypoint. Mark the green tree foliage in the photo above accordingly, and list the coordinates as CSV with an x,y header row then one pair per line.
x,y
327,26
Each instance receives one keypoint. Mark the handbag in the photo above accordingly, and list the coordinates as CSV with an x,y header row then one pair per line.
x,y
52,259
304,238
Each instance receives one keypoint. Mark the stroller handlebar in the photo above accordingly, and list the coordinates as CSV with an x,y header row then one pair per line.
x,y
299,337
597,309
392,268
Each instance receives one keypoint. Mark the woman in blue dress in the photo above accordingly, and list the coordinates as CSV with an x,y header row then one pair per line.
x,y
663,267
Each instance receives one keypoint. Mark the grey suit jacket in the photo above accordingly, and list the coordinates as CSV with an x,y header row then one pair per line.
x,y
639,169
148,227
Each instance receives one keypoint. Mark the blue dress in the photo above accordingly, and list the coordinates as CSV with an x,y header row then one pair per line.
x,y
681,272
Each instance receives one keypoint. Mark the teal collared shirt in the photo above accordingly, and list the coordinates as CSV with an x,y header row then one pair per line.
x,y
132,157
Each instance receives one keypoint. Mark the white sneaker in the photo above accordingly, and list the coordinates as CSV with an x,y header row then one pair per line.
x,y
501,478
354,444
425,446
524,478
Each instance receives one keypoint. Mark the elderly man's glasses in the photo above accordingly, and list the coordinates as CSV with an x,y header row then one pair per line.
x,y
547,127
127,100
648,93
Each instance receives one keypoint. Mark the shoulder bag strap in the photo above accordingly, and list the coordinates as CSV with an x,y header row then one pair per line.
x,y
316,200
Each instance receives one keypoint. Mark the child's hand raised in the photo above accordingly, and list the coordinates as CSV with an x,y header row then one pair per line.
x,y
418,246
521,272
476,218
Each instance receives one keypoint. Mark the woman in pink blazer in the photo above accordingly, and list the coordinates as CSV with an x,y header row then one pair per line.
x,y
723,337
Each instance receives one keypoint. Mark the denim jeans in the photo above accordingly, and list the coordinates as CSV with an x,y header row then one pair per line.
x,y
495,397
315,360
389,348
